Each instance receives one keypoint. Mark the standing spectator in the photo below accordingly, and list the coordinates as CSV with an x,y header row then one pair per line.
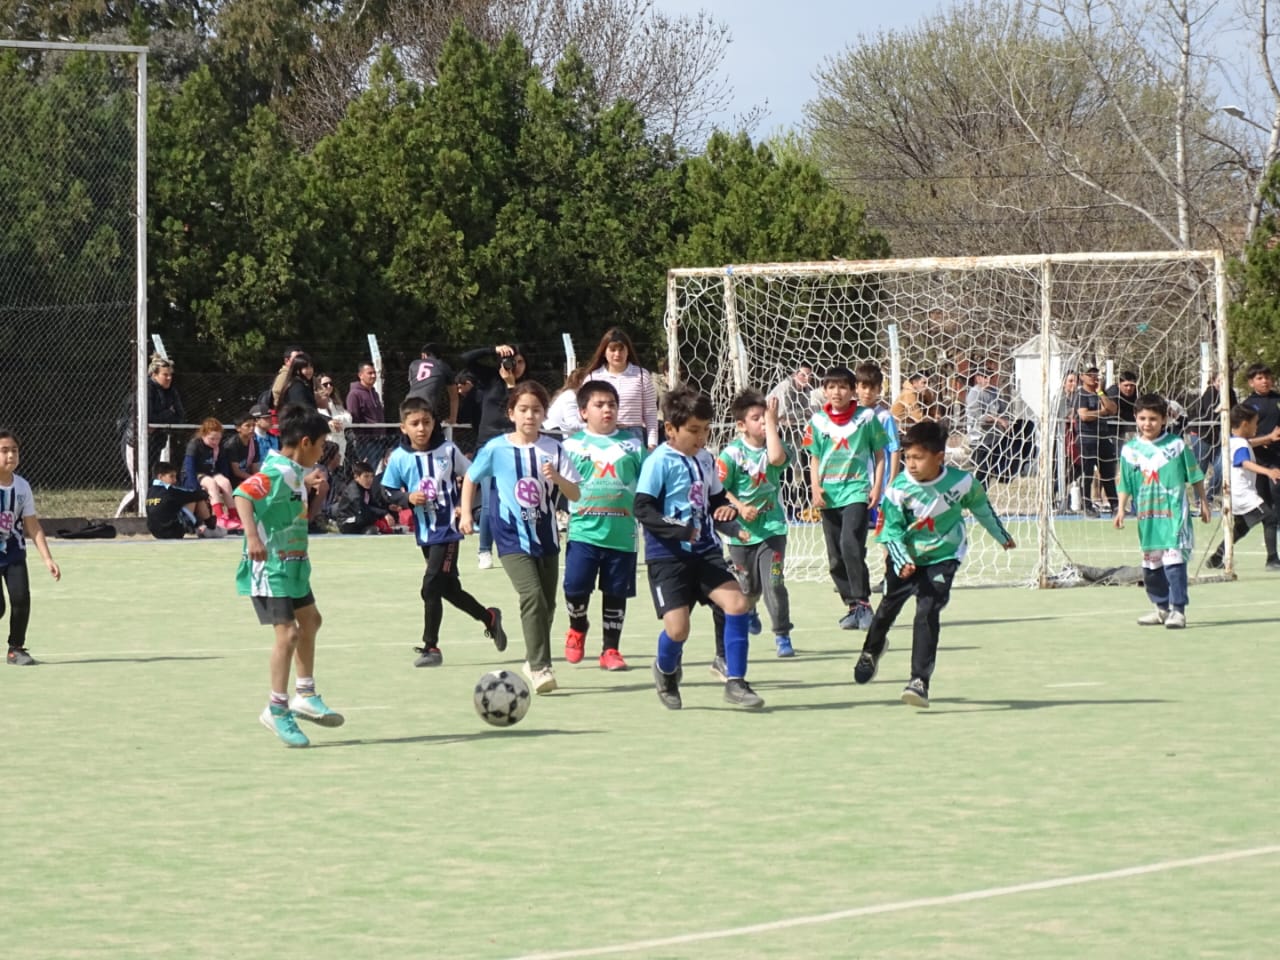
x,y
468,412
986,427
915,403
1125,393
492,386
615,361
365,406
298,385
795,407
328,404
432,379
1266,448
164,406
1068,428
1097,443
563,416
271,396
1204,433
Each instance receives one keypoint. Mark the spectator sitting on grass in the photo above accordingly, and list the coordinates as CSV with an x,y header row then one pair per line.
x,y
174,511
363,506
330,462
240,455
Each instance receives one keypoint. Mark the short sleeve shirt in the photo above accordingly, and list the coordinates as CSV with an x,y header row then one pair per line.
x,y
745,472
280,513
843,452
435,473
610,469
16,504
1155,473
522,509
429,378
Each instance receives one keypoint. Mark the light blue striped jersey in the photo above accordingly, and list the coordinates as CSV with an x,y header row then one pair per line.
x,y
683,487
433,472
522,512
16,502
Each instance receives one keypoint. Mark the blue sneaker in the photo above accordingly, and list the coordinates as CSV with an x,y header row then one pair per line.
x,y
279,720
753,625
850,620
311,707
784,646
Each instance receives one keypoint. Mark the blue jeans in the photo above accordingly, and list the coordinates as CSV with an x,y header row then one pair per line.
x,y
1207,456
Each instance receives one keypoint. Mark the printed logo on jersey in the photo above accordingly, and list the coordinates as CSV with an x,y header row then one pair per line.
x,y
697,497
6,523
257,487
427,488
722,470
528,492
603,469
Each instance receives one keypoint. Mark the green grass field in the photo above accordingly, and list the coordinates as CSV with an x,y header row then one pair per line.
x,y
1045,807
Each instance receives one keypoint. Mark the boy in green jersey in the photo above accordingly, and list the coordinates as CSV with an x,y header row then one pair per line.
x,y
922,528
847,444
751,469
1155,468
276,572
602,524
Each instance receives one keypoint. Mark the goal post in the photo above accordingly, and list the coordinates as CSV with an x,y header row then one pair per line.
x,y
933,325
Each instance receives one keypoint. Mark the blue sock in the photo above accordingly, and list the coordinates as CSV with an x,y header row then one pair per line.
x,y
1157,585
735,644
1177,577
669,653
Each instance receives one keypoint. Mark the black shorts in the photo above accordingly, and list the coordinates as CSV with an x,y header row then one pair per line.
x,y
276,610
682,583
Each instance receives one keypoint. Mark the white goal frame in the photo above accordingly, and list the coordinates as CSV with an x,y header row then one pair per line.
x,y
736,353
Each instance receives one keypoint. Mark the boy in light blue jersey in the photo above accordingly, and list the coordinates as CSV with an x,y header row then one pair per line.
x,y
526,470
425,476
678,498
602,525
868,386
922,529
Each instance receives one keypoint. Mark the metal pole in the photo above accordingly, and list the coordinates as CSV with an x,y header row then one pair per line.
x,y
1224,411
142,466
1044,483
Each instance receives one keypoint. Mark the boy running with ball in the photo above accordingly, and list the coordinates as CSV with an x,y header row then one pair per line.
x,y
922,528
1155,469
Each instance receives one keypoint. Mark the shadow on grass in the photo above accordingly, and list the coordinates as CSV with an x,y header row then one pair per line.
x,y
524,733
984,706
57,663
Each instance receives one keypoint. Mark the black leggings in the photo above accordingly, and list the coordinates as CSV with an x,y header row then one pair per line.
x,y
440,583
19,587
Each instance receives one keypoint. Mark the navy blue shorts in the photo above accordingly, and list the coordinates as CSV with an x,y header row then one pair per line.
x,y
586,565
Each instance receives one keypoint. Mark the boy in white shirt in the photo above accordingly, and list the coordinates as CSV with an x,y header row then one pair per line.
x,y
1248,509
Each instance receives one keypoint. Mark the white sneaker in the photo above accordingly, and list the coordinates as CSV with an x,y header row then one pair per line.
x,y
211,533
1175,620
1155,618
542,681
484,560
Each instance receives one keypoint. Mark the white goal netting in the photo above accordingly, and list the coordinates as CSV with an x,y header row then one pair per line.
x,y
939,328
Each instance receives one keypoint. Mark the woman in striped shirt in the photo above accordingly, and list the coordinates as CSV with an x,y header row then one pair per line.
x,y
615,362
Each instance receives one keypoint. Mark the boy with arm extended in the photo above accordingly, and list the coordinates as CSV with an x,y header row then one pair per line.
x,y
275,570
425,477
678,497
923,532
846,470
1248,509
751,468
602,525
1155,469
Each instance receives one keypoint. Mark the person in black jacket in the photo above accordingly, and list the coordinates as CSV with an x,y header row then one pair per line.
x,y
493,383
299,384
363,503
1204,432
174,511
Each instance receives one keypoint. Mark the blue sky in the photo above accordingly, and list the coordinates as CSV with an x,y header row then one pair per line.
x,y
777,47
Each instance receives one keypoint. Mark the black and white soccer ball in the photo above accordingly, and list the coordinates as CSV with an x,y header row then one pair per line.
x,y
501,698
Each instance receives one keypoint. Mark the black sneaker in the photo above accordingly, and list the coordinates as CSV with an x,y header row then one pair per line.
x,y
864,615
428,657
865,670
18,657
494,631
916,694
719,670
668,686
1273,564
1214,561
850,620
739,692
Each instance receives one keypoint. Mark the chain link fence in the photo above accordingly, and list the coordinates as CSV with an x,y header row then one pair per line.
x,y
68,268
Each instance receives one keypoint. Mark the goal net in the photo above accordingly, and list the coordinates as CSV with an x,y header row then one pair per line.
x,y
69,266
1029,325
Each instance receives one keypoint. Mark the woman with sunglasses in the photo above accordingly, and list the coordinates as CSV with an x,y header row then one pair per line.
x,y
330,405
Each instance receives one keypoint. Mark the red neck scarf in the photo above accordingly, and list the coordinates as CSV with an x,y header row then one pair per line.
x,y
838,418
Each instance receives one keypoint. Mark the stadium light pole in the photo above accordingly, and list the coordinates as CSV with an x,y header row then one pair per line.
x,y
1268,158
1231,110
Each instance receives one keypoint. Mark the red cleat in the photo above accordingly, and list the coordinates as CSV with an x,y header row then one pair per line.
x,y
612,660
574,643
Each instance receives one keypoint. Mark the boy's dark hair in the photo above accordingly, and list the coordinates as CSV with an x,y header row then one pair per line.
x,y
1241,414
415,405
9,435
298,423
1152,402
1255,369
246,417
528,388
360,468
329,452
163,467
743,403
838,375
929,434
868,374
686,403
1127,376
591,388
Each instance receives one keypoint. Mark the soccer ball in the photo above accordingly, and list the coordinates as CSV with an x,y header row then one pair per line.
x,y
501,698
